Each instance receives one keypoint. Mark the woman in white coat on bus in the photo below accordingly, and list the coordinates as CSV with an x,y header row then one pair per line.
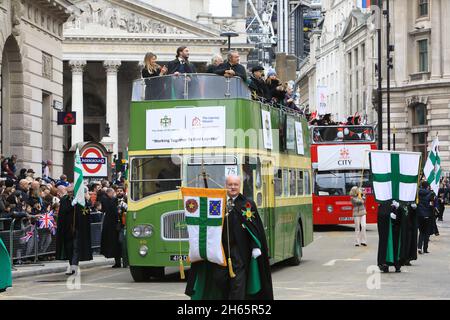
x,y
359,215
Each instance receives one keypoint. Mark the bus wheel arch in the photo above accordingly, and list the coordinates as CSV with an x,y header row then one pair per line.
x,y
298,245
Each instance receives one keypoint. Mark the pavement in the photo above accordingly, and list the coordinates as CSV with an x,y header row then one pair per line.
x,y
48,267
332,268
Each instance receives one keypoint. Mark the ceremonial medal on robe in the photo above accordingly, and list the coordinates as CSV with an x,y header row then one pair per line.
x,y
248,213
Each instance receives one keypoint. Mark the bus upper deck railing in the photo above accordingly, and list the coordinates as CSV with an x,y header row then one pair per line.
x,y
342,134
189,86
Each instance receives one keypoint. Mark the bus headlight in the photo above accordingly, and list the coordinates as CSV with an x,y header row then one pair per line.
x,y
148,231
330,209
137,231
143,250
142,231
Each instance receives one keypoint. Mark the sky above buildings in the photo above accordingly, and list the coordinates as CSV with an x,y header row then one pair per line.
x,y
220,8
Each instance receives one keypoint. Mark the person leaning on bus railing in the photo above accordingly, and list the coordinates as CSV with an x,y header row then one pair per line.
x,y
231,67
358,199
216,61
257,85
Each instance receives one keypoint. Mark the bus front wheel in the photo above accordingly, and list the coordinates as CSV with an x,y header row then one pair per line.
x,y
142,274
295,260
139,274
156,272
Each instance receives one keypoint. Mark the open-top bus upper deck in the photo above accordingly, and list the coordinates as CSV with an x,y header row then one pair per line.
x,y
181,126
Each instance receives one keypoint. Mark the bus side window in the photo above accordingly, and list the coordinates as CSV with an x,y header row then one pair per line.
x,y
292,182
285,183
307,183
277,182
300,182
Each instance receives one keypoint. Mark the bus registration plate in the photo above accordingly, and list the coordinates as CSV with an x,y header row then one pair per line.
x,y
346,219
176,257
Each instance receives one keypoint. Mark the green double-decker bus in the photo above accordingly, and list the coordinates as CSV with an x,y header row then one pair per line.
x,y
193,130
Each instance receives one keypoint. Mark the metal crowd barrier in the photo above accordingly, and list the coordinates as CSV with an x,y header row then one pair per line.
x,y
24,240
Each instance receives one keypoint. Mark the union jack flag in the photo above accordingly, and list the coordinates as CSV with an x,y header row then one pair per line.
x,y
47,221
28,235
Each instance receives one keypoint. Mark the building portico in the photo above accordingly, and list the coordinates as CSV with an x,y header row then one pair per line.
x,y
103,51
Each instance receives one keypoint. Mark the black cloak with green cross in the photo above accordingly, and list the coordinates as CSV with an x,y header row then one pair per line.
x,y
210,281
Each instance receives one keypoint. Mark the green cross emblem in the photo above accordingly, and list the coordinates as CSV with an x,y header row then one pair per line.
x,y
203,222
395,177
165,121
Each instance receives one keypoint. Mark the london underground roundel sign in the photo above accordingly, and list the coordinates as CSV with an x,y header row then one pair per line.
x,y
94,163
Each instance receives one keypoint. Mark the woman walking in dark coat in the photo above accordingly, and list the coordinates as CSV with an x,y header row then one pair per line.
x,y
110,244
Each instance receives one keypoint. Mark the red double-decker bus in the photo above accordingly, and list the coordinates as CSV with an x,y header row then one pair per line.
x,y
339,156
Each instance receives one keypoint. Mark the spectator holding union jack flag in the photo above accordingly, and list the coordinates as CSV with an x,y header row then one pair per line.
x,y
47,224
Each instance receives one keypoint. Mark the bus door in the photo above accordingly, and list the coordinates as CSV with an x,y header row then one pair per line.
x,y
268,203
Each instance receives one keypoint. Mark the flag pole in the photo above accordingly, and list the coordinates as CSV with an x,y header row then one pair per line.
x,y
182,275
362,174
418,181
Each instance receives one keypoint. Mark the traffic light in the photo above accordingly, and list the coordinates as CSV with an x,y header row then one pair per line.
x,y
67,118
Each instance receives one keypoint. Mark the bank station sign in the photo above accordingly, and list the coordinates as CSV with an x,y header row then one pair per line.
x,y
343,157
185,128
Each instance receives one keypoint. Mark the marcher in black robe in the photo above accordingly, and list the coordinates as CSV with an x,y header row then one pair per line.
x,y
110,244
73,233
409,238
424,216
242,244
389,225
216,280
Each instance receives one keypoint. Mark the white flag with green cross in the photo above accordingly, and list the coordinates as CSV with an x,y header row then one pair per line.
x,y
78,190
432,170
395,175
204,211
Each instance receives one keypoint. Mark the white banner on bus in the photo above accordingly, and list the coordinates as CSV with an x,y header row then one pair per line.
x,y
299,136
342,157
185,128
267,129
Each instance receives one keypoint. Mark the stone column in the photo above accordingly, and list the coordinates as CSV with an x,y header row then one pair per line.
x,y
445,12
112,116
77,99
435,43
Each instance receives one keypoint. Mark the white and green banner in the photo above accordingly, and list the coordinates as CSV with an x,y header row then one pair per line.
x,y
395,175
432,169
181,127
204,211
78,190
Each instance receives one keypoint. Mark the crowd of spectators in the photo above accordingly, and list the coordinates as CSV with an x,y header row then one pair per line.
x,y
27,197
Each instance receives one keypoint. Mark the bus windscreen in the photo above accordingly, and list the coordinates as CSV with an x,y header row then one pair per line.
x,y
339,183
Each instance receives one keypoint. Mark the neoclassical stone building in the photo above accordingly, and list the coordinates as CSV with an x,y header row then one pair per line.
x,y
103,50
31,72
420,80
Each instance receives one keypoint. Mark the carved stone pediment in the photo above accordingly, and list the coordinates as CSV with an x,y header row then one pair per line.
x,y
101,17
412,101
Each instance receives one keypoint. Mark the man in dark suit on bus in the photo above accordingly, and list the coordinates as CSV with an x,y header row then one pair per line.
x,y
181,63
